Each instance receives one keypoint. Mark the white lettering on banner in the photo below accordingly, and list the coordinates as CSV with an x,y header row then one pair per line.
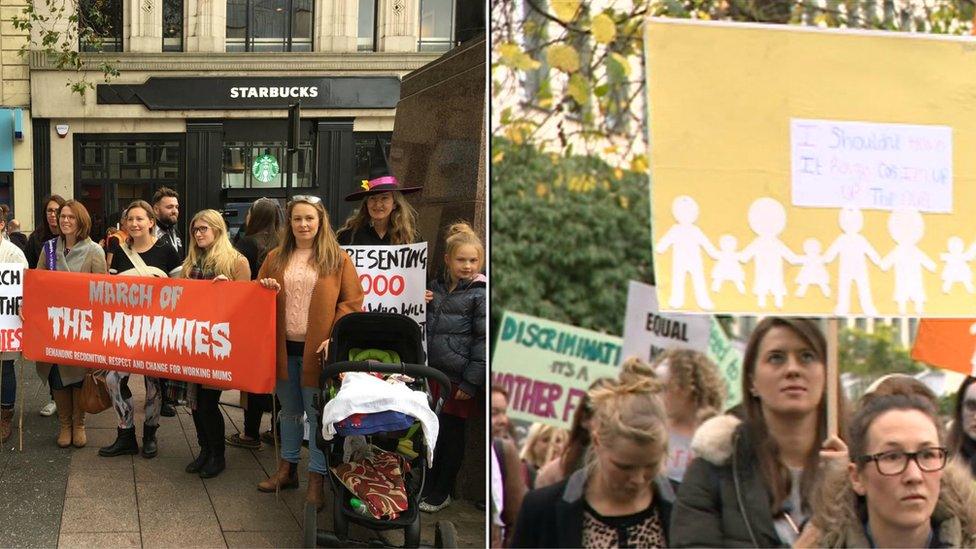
x,y
394,279
165,334
274,92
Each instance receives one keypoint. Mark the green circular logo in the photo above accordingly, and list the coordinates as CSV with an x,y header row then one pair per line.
x,y
265,168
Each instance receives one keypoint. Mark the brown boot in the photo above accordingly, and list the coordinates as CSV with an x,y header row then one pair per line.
x,y
6,424
316,490
285,478
78,436
64,400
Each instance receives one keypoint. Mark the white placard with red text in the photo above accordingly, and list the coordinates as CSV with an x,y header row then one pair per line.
x,y
11,296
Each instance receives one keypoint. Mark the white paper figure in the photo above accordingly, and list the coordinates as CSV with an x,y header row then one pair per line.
x,y
851,248
906,228
767,218
813,270
727,267
688,241
956,267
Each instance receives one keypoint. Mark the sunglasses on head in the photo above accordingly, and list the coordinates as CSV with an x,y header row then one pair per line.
x,y
305,198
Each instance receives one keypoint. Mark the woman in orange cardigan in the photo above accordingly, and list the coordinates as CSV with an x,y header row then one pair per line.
x,y
317,284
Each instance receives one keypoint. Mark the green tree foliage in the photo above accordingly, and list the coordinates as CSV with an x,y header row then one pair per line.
x,y
872,355
567,235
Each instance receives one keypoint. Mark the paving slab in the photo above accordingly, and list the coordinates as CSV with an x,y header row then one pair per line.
x,y
100,540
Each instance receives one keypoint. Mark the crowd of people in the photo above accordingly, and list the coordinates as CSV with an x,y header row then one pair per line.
x,y
293,252
654,459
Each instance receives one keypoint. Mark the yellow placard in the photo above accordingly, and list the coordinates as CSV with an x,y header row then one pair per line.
x,y
815,172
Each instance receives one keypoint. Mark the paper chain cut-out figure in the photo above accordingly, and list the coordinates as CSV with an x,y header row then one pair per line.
x,y
767,219
957,265
813,270
727,266
688,241
906,228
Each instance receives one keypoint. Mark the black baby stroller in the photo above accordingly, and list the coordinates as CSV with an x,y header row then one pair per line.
x,y
397,336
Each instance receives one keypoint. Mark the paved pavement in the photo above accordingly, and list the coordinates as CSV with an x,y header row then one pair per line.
x,y
73,498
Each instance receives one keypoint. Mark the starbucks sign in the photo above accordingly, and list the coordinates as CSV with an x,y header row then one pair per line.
x,y
265,168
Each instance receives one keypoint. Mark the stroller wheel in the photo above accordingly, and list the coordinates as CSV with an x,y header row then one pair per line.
x,y
411,533
340,524
445,534
310,528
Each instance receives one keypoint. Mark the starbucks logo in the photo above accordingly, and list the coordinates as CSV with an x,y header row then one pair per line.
x,y
265,168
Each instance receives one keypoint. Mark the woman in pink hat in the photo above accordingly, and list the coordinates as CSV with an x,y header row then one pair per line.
x,y
384,218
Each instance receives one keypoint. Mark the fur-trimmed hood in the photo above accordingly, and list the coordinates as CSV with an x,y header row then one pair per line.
x,y
836,517
714,440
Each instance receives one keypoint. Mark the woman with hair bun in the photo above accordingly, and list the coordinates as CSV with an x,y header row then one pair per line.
x,y
456,346
620,498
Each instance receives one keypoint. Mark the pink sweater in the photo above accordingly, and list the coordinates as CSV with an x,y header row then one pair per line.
x,y
300,277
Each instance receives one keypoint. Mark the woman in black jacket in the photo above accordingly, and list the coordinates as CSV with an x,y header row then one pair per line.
x,y
751,481
620,499
456,346
261,227
962,435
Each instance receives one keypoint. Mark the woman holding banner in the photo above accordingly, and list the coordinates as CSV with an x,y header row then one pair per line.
x,y
317,284
751,481
74,252
456,346
384,217
142,254
9,253
211,257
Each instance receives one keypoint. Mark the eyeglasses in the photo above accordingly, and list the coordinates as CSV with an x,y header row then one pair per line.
x,y
929,460
305,198
51,210
201,229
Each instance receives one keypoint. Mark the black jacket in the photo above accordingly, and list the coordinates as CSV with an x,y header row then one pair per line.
x,y
33,250
365,236
722,501
456,332
553,516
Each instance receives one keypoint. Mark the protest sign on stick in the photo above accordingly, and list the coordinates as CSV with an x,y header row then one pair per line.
x,y
11,290
219,334
394,279
547,367
947,343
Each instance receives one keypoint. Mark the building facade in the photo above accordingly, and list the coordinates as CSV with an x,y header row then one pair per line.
x,y
201,101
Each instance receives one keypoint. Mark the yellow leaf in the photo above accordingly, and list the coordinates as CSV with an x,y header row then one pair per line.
x,y
545,103
498,157
565,10
618,173
603,28
514,134
624,202
578,89
541,190
622,61
610,150
508,51
513,56
639,164
563,57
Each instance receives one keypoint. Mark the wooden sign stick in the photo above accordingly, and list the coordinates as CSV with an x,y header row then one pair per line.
x,y
833,377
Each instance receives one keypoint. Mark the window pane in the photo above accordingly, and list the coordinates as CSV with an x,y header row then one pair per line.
x,y
301,25
367,25
261,165
100,20
269,25
436,25
173,25
236,24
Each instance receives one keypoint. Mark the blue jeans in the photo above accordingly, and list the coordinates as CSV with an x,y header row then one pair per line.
x,y
295,400
8,393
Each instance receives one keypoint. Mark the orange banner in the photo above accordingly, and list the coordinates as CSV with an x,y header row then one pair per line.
x,y
947,343
219,334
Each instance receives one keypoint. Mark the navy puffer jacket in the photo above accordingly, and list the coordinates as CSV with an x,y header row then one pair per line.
x,y
456,332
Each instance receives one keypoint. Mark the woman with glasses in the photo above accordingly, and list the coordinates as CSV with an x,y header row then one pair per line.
x,y
74,252
42,233
317,284
962,435
896,491
211,257
751,481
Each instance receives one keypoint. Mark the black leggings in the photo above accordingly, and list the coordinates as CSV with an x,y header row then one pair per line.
x,y
448,455
257,405
209,421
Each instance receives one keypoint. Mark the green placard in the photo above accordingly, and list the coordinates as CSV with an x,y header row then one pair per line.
x,y
265,168
729,362
546,367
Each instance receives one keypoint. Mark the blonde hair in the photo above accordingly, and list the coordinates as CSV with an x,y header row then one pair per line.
x,y
403,220
220,257
694,371
538,431
461,234
631,409
326,253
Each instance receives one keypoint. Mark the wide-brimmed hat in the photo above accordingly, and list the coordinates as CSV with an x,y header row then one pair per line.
x,y
381,179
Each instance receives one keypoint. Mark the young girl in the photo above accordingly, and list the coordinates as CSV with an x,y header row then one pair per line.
x,y
456,346
211,257
141,254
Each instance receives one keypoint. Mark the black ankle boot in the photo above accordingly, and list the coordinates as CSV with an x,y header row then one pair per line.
x,y
149,448
214,466
125,444
196,465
